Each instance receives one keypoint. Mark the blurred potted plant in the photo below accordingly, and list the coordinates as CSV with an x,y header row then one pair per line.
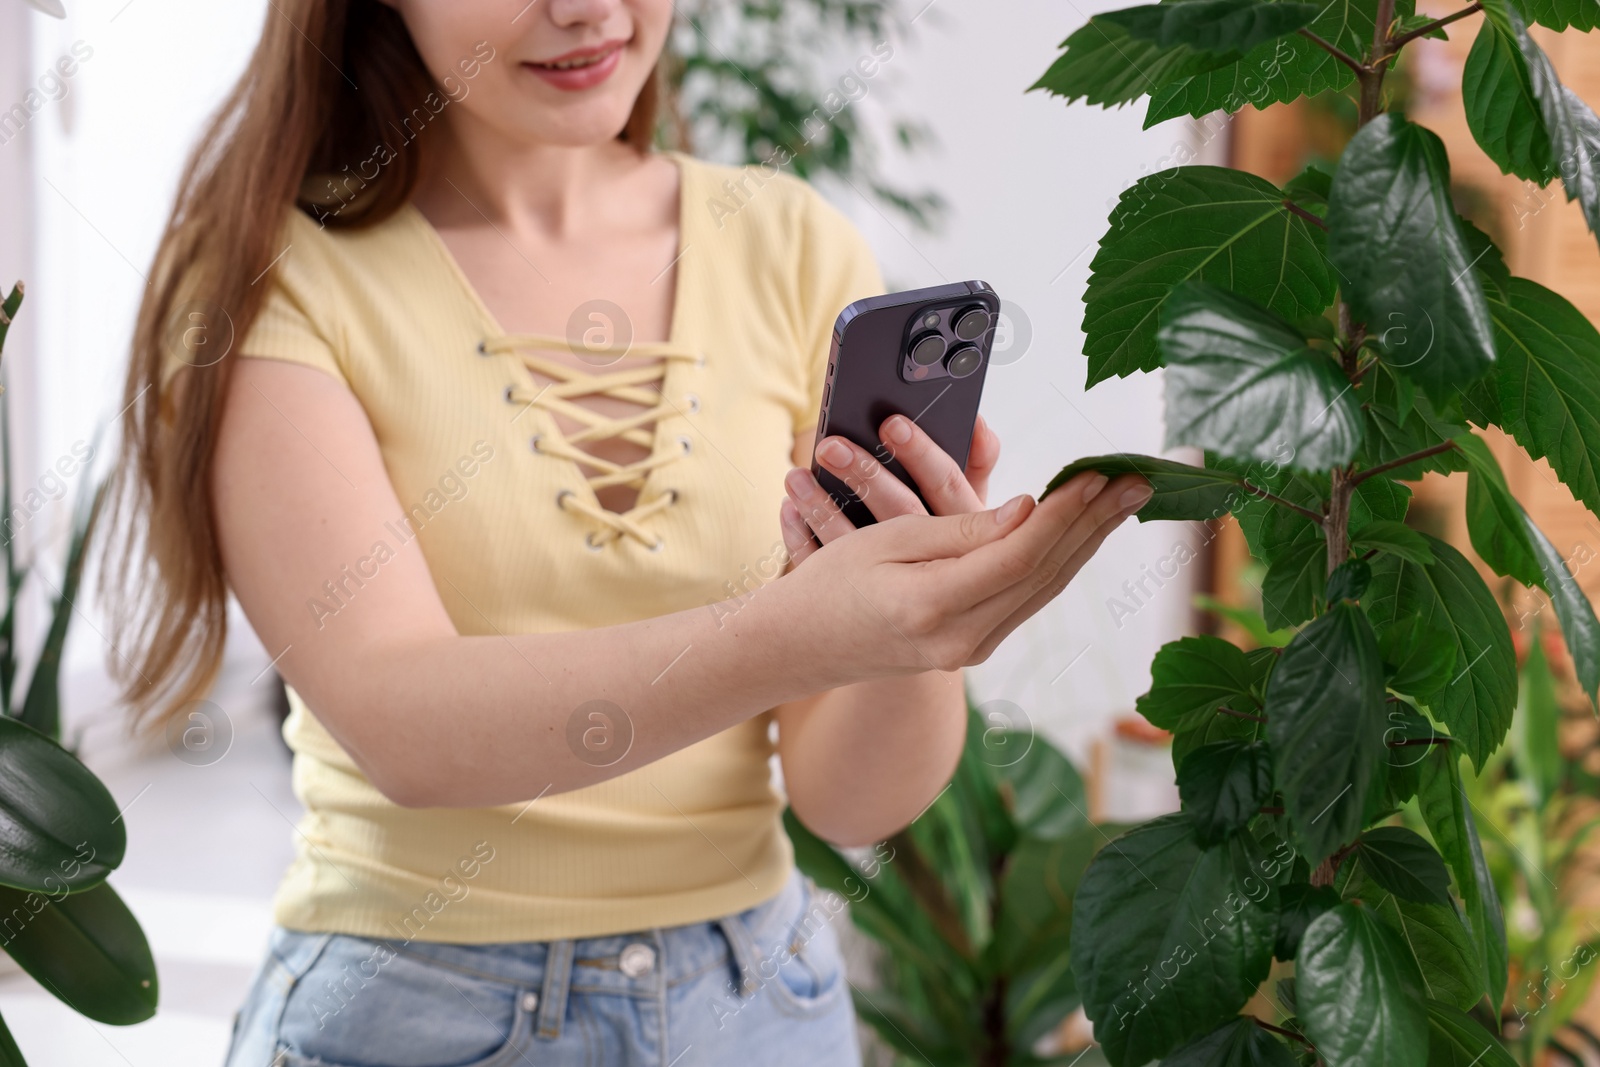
x,y
972,906
60,831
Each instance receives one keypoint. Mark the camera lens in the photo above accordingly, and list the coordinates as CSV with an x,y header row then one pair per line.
x,y
931,320
971,323
927,350
963,361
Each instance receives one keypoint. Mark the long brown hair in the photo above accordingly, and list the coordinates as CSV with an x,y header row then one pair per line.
x,y
293,115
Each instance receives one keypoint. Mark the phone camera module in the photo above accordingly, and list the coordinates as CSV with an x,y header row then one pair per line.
x,y
971,323
963,361
927,349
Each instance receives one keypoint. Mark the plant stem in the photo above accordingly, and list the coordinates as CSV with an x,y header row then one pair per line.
x,y
930,892
1437,24
1286,1033
1242,714
1333,50
8,311
1296,209
1431,450
1336,526
1264,495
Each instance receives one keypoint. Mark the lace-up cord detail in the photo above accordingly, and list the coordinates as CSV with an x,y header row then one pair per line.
x,y
625,383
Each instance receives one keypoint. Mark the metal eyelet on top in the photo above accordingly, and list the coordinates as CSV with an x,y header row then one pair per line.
x,y
692,402
588,540
508,394
483,348
700,359
562,495
657,546
533,443
672,497
688,445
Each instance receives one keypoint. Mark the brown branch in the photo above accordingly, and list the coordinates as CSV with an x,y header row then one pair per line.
x,y
1256,490
1437,24
1269,811
1310,217
1302,1038
1333,50
1431,450
1242,714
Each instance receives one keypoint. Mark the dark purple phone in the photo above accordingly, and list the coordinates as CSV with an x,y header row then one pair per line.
x,y
921,354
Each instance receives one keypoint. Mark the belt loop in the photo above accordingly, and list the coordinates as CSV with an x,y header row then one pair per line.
x,y
745,957
557,980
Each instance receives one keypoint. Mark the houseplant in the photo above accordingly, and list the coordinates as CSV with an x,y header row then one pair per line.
x,y
1323,342
972,904
60,831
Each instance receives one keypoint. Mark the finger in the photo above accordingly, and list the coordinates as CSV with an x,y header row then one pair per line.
x,y
884,494
982,457
943,483
983,571
815,506
797,539
921,538
1074,564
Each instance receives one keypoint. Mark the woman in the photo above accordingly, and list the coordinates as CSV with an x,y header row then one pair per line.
x,y
497,463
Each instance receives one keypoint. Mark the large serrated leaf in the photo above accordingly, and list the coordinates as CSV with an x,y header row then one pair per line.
x,y
1207,224
1245,384
1279,70
1407,267
1193,676
1181,491
1325,720
1433,935
1155,902
1238,1043
1580,15
1358,992
1475,705
1223,786
1455,1039
1122,55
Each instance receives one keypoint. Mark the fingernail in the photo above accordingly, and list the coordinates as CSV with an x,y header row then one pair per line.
x,y
1136,496
1092,489
899,429
1009,509
798,482
833,453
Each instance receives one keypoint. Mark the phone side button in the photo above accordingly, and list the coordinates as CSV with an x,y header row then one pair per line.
x,y
826,389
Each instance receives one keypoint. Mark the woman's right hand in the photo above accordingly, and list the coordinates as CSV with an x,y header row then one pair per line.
x,y
918,592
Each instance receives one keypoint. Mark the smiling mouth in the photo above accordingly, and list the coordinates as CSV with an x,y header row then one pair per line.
x,y
579,62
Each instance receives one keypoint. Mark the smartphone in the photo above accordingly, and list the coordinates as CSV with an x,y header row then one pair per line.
x,y
922,354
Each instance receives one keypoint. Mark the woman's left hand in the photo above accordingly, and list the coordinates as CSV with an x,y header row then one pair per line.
x,y
948,489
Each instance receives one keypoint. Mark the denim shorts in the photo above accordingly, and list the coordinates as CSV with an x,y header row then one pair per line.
x,y
765,986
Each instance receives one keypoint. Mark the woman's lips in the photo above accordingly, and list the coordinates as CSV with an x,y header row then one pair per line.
x,y
583,69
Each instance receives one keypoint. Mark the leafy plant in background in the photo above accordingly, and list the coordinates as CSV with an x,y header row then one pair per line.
x,y
973,905
741,86
1324,342
60,831
1541,814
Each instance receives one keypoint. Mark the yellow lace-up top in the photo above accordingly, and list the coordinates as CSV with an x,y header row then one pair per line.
x,y
503,507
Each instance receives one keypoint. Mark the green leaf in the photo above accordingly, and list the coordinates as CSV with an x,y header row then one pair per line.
x,y
1358,992
1419,655
1223,786
87,949
1244,383
1417,22
1395,538
1524,118
41,708
1294,584
1276,71
1400,424
1475,705
1041,788
1433,936
1549,383
1580,15
1400,861
1455,1039
1301,904
1207,224
1535,732
1181,491
1508,541
1193,676
1325,721
1349,580
1238,1043
59,826
1448,813
1122,55
1407,267
1310,188
10,1054
1165,946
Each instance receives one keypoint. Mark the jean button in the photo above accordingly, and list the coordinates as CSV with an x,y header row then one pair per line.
x,y
637,960
530,1002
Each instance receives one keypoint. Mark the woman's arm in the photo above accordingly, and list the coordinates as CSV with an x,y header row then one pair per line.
x,y
436,719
